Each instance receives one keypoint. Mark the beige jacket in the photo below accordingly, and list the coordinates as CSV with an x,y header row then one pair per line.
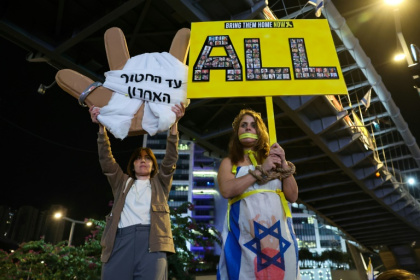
x,y
160,225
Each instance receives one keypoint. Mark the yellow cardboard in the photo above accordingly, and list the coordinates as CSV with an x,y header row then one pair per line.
x,y
263,58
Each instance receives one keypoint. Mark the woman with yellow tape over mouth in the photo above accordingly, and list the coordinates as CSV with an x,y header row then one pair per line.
x,y
258,237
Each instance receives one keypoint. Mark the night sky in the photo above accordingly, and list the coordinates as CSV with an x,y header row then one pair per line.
x,y
49,143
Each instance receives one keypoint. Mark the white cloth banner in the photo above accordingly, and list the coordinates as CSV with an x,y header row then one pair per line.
x,y
157,79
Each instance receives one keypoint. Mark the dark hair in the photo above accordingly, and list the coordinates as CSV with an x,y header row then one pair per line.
x,y
236,152
135,155
397,274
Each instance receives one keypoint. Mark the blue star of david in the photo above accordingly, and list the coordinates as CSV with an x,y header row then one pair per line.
x,y
260,232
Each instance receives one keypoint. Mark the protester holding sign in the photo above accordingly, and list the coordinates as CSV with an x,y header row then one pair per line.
x,y
258,237
138,232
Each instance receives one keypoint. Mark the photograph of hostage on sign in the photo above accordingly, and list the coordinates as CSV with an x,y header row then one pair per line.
x,y
263,58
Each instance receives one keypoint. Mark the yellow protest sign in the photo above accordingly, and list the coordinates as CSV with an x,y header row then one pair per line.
x,y
263,58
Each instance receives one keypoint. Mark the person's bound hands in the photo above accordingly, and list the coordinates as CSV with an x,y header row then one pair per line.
x,y
271,162
277,150
276,158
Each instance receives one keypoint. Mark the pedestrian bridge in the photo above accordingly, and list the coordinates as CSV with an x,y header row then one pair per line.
x,y
351,171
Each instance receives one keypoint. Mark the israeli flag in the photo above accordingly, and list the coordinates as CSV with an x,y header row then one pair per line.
x,y
366,99
319,4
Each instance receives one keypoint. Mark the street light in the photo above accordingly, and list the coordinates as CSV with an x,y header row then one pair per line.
x,y
399,57
413,66
398,29
59,215
411,181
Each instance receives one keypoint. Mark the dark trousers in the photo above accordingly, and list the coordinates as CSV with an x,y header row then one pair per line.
x,y
131,259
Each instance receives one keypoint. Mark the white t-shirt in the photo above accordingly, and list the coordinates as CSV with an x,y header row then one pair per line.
x,y
137,205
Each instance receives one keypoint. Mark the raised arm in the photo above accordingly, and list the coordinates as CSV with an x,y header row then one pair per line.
x,y
179,110
168,164
109,166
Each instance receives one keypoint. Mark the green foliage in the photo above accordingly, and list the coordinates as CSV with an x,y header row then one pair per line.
x,y
37,260
183,264
40,260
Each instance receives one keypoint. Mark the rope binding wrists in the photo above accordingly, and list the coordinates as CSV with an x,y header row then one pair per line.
x,y
278,173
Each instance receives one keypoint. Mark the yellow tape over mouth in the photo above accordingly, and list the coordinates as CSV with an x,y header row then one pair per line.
x,y
248,135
